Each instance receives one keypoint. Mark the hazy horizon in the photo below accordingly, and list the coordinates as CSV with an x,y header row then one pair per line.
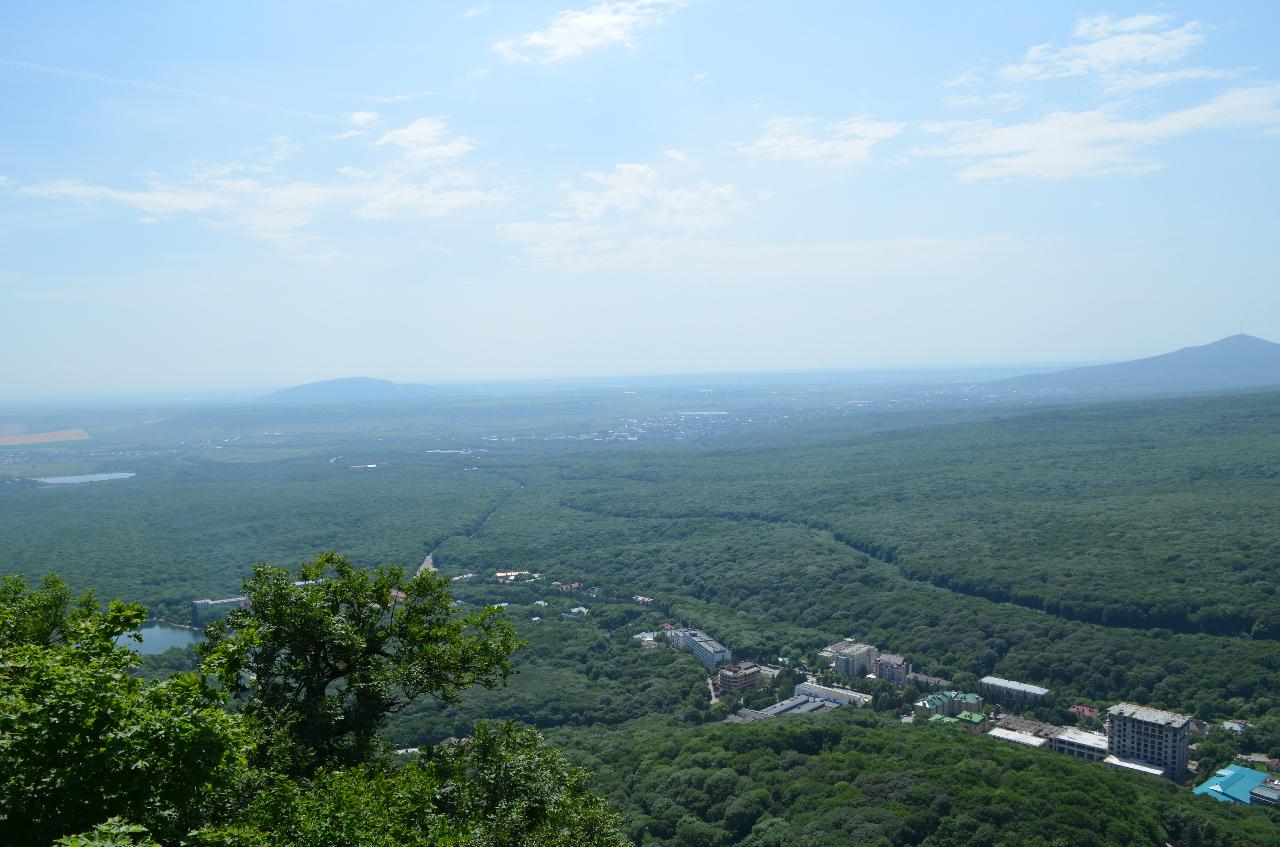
x,y
200,200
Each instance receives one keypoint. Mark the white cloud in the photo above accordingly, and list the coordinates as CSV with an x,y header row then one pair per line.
x,y
575,32
478,73
397,98
842,144
1001,101
362,118
428,138
345,134
422,181
968,79
701,76
614,214
1112,50
476,11
672,154
1065,145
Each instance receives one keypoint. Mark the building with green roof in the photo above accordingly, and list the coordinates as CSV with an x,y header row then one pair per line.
x,y
950,703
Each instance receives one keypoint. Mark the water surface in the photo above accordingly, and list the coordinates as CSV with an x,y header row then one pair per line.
x,y
79,478
158,637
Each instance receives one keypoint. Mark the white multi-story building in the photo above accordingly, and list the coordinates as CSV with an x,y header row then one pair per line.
x,y
709,651
853,659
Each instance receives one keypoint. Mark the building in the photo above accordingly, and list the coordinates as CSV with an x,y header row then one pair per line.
x,y
642,600
1238,784
1090,746
1083,711
832,694
950,703
1135,766
851,658
932,683
738,677
575,613
797,705
892,667
1008,691
508,577
709,651
202,610
1150,736
1018,737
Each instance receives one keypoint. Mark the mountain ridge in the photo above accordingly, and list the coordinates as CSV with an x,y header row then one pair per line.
x,y
1235,362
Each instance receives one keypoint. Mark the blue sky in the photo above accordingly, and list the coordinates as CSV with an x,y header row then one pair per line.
x,y
207,195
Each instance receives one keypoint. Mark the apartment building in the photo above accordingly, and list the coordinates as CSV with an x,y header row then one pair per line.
x,y
1151,736
739,677
892,667
1009,692
853,659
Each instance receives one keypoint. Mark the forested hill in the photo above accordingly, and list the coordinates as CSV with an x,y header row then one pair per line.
x,y
354,389
1240,361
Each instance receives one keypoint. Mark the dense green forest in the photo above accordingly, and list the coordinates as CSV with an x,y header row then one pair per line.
x,y
1119,551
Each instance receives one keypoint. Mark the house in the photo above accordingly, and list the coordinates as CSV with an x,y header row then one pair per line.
x,y
642,600
1083,711
575,613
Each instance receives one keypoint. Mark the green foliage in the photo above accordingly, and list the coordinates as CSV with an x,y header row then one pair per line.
x,y
82,740
320,662
115,832
852,778
500,788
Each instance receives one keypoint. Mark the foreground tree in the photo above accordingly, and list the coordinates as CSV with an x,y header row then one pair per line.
x,y
500,788
82,740
320,661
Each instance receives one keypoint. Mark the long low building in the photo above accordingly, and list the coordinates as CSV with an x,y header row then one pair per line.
x,y
1018,737
709,651
839,696
995,687
1090,746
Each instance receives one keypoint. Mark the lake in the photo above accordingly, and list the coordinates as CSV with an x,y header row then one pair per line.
x,y
88,477
158,637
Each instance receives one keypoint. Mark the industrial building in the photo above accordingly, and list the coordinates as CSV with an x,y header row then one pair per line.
x,y
1149,736
709,651
831,694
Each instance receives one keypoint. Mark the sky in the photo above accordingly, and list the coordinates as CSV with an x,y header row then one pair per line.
x,y
197,196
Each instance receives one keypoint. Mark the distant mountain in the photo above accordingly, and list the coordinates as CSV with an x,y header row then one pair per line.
x,y
1240,361
356,389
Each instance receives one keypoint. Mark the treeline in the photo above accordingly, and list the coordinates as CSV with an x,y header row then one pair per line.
x,y
855,778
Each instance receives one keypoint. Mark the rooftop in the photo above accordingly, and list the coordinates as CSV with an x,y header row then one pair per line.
x,y
1232,784
1013,685
848,646
1018,737
892,659
1148,715
1131,765
1079,736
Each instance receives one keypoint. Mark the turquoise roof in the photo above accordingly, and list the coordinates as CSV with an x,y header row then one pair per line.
x,y
1232,784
